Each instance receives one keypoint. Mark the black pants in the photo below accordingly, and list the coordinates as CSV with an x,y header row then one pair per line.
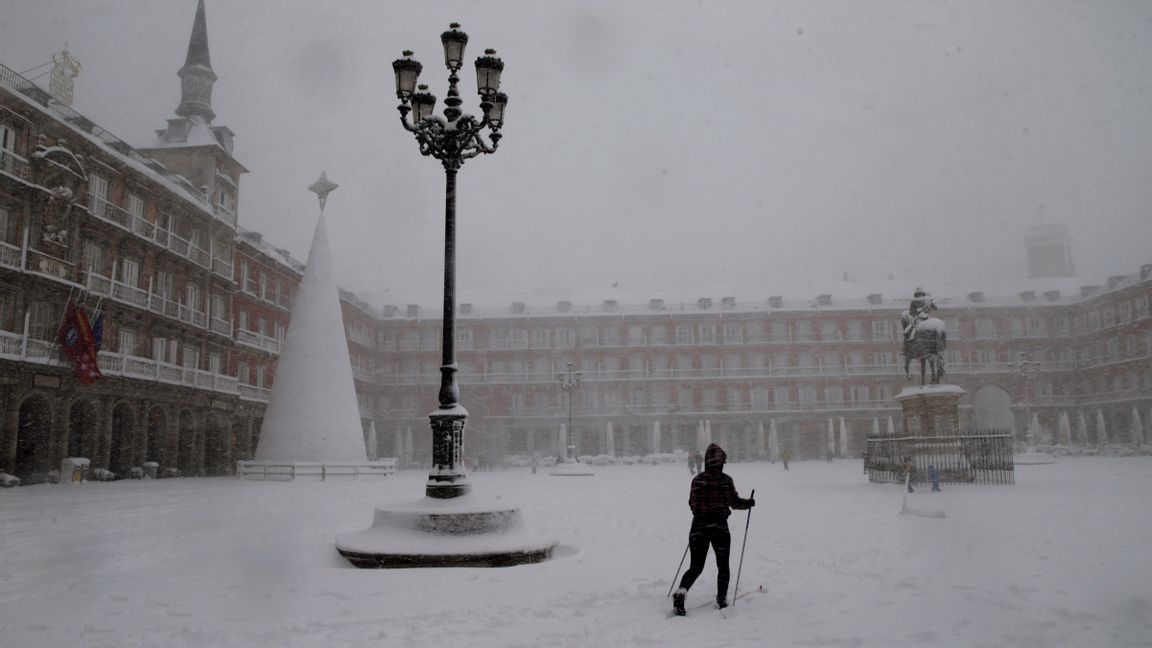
x,y
707,532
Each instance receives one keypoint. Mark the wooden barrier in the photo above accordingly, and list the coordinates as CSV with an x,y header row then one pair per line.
x,y
322,471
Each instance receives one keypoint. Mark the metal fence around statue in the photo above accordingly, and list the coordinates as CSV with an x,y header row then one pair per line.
x,y
973,457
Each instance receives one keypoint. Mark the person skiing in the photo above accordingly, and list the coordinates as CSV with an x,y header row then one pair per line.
x,y
934,476
711,499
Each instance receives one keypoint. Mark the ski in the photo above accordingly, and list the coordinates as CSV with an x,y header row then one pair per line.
x,y
711,604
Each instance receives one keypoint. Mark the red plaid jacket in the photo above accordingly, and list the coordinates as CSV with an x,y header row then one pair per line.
x,y
714,494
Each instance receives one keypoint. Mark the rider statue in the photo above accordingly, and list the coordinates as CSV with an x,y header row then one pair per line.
x,y
919,309
924,337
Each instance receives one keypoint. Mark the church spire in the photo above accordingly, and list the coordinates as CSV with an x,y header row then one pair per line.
x,y
197,77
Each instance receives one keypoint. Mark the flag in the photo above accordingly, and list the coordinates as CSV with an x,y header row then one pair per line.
x,y
98,331
79,344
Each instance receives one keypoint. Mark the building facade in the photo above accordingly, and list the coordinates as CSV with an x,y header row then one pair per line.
x,y
143,241
657,378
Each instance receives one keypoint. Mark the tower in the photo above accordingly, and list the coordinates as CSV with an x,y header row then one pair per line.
x,y
190,145
1049,252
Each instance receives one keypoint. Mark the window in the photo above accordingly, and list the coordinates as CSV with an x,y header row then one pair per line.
x,y
127,341
43,321
707,333
93,257
829,330
855,330
566,338
732,333
834,394
243,315
136,206
779,331
518,339
219,306
985,329
6,225
882,359
97,194
214,362
192,297
802,330
758,396
780,395
130,272
7,140
191,358
165,284
541,338
807,394
881,330
683,334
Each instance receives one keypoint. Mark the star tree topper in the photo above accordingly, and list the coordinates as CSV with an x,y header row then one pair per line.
x,y
322,188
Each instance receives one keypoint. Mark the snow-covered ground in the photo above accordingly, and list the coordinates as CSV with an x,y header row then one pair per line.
x,y
1064,558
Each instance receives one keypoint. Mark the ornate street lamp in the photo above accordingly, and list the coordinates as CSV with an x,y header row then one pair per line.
x,y
452,139
569,382
1026,368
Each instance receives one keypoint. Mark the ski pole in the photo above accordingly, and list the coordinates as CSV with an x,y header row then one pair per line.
x,y
736,592
678,570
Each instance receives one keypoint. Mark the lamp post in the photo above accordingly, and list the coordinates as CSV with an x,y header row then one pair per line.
x,y
1026,368
569,381
452,139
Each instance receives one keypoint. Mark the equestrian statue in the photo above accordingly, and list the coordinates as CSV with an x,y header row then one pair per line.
x,y
924,337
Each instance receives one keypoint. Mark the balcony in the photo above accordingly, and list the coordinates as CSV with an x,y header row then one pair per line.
x,y
129,366
257,341
15,166
11,256
252,392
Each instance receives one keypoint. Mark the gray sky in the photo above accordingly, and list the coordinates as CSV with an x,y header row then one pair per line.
x,y
677,149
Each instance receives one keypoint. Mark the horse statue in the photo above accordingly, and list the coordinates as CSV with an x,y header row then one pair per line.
x,y
924,338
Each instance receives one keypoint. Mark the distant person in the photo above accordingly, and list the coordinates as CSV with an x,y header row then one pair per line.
x,y
934,477
692,461
828,456
535,460
907,470
785,458
711,499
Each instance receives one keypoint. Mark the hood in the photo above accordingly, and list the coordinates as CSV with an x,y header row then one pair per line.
x,y
715,457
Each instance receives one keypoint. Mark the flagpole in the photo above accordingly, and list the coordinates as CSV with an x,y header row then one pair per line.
x,y
63,316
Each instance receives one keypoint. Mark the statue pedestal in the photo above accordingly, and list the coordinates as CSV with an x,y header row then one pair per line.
x,y
571,469
931,410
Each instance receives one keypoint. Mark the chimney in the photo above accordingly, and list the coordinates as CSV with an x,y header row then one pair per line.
x,y
656,304
1028,296
728,303
704,303
824,300
776,301
976,297
465,309
610,305
413,310
1052,295
875,299
518,308
563,306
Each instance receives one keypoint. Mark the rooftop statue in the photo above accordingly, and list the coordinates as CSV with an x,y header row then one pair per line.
x,y
924,337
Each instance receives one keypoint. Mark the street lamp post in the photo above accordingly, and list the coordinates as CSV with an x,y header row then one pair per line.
x,y
452,139
1026,368
569,381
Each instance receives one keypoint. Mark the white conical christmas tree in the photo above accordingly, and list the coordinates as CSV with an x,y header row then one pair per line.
x,y
312,413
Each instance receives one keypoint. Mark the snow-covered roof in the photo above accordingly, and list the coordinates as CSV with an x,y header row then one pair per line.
x,y
813,297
